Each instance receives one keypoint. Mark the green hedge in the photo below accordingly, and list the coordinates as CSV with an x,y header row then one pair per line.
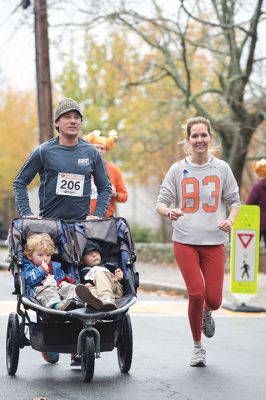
x,y
156,253
144,235
162,253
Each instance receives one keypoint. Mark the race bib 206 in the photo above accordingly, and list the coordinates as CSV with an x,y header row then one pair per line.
x,y
70,184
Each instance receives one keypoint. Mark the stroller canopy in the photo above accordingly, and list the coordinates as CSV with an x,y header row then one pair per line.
x,y
57,229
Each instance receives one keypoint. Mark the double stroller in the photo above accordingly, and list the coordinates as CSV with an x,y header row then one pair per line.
x,y
84,331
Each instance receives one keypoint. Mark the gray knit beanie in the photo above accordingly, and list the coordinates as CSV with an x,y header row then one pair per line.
x,y
64,106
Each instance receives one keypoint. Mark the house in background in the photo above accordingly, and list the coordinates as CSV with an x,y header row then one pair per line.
x,y
138,210
140,207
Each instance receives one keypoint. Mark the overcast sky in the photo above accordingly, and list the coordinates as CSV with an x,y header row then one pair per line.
x,y
17,45
17,42
17,65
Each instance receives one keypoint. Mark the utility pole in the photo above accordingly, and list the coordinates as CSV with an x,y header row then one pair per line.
x,y
44,92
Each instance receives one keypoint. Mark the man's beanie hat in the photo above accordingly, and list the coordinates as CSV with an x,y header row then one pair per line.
x,y
90,246
66,105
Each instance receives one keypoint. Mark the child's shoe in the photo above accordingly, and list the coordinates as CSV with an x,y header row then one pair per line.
x,y
69,304
84,294
108,304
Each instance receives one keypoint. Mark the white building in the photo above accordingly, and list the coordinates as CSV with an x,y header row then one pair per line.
x,y
138,210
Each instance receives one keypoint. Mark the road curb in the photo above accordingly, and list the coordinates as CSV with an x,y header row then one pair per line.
x,y
154,286
148,286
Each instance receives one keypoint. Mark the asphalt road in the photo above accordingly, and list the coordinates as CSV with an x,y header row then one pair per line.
x,y
160,368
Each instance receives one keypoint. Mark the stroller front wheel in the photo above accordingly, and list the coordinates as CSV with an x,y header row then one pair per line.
x,y
12,344
88,358
125,345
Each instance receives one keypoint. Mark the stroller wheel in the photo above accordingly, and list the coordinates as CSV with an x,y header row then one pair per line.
x,y
88,358
125,345
12,344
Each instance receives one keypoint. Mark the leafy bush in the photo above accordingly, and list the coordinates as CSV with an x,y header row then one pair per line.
x,y
162,253
157,253
144,235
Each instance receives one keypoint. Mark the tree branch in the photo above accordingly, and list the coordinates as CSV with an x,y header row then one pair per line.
x,y
213,25
254,38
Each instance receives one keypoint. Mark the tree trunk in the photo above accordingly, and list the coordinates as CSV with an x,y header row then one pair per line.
x,y
166,230
236,135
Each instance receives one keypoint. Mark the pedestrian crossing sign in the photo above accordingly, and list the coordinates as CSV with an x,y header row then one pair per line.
x,y
244,260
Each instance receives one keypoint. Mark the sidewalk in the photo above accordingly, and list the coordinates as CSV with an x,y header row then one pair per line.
x,y
3,253
168,278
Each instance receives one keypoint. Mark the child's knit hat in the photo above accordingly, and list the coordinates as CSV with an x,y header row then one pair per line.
x,y
90,246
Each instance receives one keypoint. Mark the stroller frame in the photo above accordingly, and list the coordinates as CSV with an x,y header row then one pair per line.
x,y
83,331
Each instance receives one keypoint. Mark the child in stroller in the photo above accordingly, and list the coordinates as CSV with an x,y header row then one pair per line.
x,y
84,331
45,279
103,282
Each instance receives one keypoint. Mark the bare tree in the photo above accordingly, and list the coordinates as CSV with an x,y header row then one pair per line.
x,y
187,34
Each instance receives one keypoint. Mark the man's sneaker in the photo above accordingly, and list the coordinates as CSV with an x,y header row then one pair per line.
x,y
75,360
108,304
69,304
84,294
208,324
198,357
51,357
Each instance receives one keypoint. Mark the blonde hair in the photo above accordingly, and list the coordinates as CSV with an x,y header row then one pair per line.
x,y
37,242
190,123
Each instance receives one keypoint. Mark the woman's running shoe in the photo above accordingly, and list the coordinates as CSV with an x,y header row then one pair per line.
x,y
198,358
208,324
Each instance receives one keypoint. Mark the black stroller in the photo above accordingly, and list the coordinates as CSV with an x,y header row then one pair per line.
x,y
84,331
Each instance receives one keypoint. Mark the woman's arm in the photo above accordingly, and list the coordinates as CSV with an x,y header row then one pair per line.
x,y
172,213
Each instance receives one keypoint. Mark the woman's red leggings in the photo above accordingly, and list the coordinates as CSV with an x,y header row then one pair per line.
x,y
202,268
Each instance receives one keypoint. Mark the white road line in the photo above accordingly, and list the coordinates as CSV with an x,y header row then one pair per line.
x,y
153,308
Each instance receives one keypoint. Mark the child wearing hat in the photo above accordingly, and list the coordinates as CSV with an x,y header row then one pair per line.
x,y
119,191
257,195
102,282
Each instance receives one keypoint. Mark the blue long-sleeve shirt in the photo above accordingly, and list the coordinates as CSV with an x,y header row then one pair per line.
x,y
65,180
34,275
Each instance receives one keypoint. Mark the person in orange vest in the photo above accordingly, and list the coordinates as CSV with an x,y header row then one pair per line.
x,y
119,191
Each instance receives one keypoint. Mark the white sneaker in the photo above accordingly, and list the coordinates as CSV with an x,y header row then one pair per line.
x,y
208,324
198,358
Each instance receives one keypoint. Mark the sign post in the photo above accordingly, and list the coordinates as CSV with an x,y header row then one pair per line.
x,y
244,259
